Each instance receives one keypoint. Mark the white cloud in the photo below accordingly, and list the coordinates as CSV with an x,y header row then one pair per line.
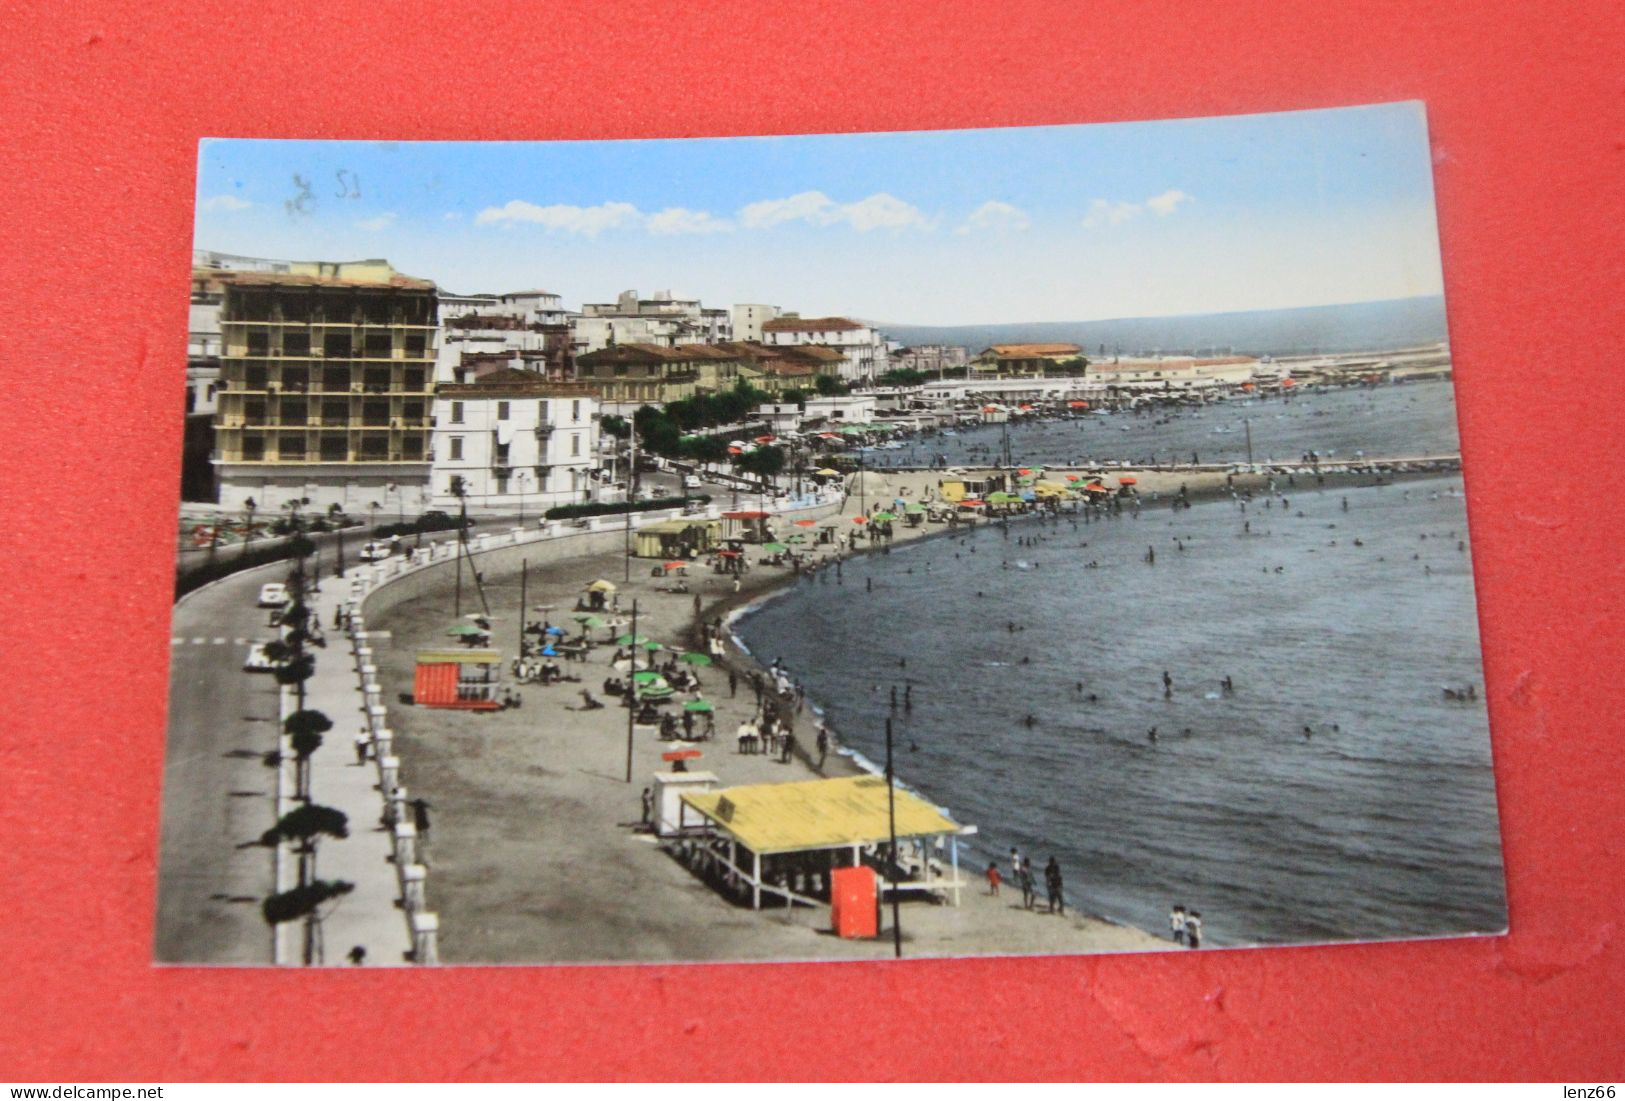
x,y
996,216
589,221
375,225
808,206
676,219
877,211
1103,212
1166,203
452,216
226,202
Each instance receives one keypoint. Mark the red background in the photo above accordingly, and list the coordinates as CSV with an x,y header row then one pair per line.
x,y
104,104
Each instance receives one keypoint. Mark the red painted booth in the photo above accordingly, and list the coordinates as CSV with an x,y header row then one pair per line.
x,y
464,679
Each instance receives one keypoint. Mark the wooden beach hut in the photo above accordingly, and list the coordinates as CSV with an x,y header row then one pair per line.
x,y
460,679
669,539
773,838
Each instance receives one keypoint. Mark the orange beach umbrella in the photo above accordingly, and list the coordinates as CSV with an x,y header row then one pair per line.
x,y
1128,480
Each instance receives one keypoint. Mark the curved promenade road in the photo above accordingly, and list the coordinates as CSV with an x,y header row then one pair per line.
x,y
218,796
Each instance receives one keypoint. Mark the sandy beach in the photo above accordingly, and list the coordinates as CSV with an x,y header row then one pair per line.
x,y
534,847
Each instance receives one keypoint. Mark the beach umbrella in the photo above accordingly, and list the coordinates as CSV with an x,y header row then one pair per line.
x,y
631,640
1128,480
1096,487
860,519
914,509
645,676
736,450
774,548
675,566
695,658
589,622
972,502
702,706
652,646
1025,469
601,586
826,472
464,630
1071,477
806,523
764,439
549,652
660,691
554,631
883,517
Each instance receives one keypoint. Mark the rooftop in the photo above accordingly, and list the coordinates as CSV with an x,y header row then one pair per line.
x,y
512,382
1027,351
810,324
818,814
395,281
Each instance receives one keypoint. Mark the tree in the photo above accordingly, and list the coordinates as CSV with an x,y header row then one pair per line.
x,y
305,730
303,828
619,427
830,386
764,462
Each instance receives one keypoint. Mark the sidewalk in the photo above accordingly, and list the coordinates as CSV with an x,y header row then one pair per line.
x,y
372,915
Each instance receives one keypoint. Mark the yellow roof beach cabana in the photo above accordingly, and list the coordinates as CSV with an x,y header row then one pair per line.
x,y
677,538
822,824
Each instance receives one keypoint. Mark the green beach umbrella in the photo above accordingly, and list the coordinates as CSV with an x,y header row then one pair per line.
x,y
631,640
588,620
652,645
883,517
698,705
655,692
465,629
914,509
774,548
645,676
695,659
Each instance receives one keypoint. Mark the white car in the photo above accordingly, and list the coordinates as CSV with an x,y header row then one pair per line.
x,y
274,594
692,481
258,661
373,552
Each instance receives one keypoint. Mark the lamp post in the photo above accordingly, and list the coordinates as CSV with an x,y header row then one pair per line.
x,y
521,477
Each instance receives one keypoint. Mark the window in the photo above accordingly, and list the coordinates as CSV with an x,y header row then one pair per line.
x,y
259,343
575,410
541,413
336,345
456,447
376,379
253,448
379,346
335,447
296,344
502,410
414,378
336,379
575,444
456,412
415,346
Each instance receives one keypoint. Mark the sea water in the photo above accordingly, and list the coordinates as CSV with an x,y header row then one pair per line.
x,y
1408,420
1380,822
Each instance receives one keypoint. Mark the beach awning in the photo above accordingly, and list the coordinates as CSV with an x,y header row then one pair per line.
x,y
806,523
774,548
750,515
817,814
1128,480
601,586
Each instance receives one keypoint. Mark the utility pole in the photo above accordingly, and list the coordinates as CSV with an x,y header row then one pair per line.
x,y
632,691
891,873
626,535
524,568
1248,425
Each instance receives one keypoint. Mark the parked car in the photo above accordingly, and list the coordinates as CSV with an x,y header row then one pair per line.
x,y
692,481
373,552
274,594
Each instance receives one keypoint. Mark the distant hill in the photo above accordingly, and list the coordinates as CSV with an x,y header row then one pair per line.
x,y
1362,326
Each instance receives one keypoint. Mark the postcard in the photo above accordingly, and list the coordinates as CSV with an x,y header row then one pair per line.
x,y
985,542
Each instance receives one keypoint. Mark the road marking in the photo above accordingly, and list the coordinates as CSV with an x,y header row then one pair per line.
x,y
240,641
176,641
197,642
219,642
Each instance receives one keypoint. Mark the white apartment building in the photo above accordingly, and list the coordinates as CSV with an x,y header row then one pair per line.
x,y
1174,372
749,317
863,347
516,440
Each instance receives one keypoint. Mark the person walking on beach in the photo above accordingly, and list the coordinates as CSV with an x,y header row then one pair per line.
x,y
363,741
823,747
1028,894
1052,884
993,879
789,743
648,806
733,683
1167,684
1193,930
1176,924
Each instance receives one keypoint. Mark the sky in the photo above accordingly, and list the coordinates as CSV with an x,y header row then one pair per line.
x,y
951,227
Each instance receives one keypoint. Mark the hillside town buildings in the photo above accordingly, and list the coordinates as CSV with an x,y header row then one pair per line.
x,y
662,320
931,359
1030,360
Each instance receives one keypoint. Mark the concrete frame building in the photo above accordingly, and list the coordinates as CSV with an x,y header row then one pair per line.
x,y
326,385
749,317
932,359
863,347
662,319
525,330
516,440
